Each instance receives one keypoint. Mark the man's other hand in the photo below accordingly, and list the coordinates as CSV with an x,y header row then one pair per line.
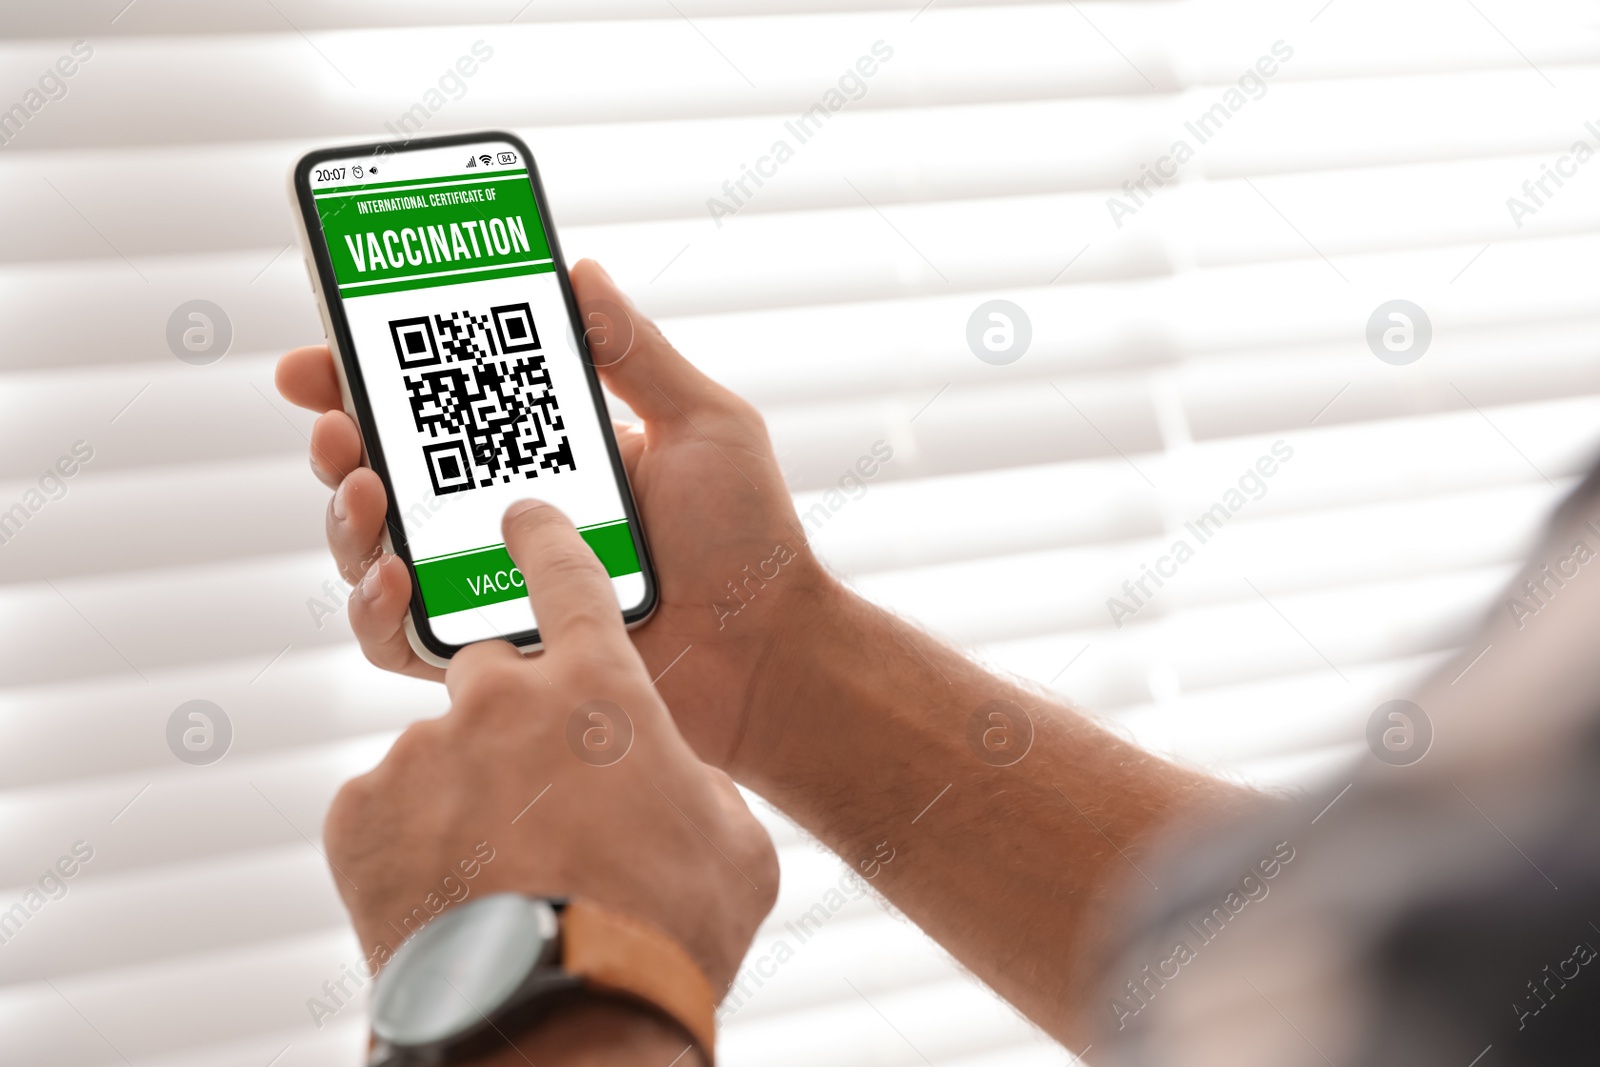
x,y
561,774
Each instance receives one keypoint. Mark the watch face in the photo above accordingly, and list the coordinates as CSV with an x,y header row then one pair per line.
x,y
460,968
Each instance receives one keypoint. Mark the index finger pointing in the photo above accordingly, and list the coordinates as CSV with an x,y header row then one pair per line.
x,y
572,596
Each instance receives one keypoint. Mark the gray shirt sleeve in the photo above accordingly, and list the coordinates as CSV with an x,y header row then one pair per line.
x,y
1440,910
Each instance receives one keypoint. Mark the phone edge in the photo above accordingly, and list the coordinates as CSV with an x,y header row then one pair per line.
x,y
423,644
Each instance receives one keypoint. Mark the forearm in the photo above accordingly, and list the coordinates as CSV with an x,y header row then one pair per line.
x,y
597,1033
864,736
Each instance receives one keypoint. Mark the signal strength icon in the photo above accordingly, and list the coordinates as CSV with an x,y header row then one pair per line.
x,y
472,161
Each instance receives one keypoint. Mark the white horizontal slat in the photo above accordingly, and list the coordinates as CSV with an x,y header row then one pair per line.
x,y
339,1044
1227,725
1304,773
1038,607
177,814
1332,467
960,246
905,1027
266,289
160,618
662,68
912,523
237,508
1208,31
198,17
115,921
172,1006
305,699
878,952
1196,652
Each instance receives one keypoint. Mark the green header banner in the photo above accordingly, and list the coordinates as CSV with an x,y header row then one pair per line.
x,y
390,236
487,575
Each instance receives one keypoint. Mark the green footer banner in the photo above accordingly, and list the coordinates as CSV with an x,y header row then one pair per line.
x,y
487,575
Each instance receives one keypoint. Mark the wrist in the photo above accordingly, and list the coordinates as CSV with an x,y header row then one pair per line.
x,y
810,673
774,716
510,970
590,1031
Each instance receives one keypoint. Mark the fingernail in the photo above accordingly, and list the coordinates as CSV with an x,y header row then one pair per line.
x,y
372,583
522,506
340,506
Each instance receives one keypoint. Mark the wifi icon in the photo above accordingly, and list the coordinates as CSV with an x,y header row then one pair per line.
x,y
486,159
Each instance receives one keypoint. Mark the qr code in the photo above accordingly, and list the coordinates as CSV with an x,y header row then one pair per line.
x,y
479,388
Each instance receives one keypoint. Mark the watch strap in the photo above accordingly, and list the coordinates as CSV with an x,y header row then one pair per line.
x,y
616,954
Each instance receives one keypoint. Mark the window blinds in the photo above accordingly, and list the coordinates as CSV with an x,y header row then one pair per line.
x,y
1179,334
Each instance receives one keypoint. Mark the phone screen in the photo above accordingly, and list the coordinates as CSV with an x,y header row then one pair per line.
x,y
461,332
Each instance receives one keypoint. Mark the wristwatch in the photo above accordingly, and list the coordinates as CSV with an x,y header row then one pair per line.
x,y
484,971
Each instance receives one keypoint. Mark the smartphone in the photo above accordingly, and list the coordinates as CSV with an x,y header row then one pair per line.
x,y
462,358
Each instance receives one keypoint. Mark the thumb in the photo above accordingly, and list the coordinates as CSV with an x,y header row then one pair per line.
x,y
634,360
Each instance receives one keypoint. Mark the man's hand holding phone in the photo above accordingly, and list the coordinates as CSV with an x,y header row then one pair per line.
x,y
709,491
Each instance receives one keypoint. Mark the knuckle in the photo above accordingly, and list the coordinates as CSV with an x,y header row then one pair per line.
x,y
732,410
353,568
351,797
762,858
377,655
656,336
414,743
385,655
583,665
749,414
590,618
487,686
569,565
346,815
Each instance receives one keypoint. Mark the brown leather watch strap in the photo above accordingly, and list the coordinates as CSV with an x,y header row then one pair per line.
x,y
616,954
